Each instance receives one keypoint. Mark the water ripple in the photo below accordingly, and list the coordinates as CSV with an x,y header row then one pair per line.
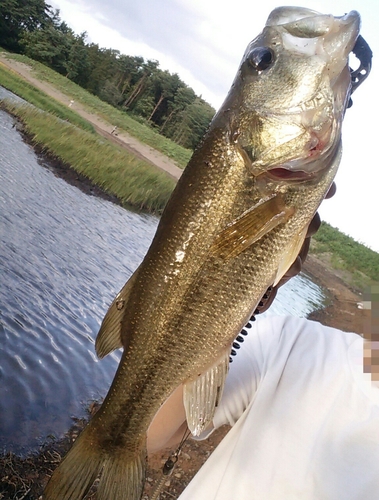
x,y
63,257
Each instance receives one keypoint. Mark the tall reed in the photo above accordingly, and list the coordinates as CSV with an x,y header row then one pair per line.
x,y
119,173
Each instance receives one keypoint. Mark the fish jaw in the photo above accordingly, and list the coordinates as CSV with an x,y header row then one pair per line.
x,y
294,108
332,39
307,31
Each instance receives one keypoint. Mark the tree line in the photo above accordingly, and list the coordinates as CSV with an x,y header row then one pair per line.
x,y
130,83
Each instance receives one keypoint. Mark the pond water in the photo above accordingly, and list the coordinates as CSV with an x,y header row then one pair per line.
x,y
63,257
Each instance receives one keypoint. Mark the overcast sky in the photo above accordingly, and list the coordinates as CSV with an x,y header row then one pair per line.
x,y
203,41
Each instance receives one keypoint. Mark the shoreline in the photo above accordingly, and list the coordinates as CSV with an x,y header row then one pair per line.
x,y
103,128
343,312
70,175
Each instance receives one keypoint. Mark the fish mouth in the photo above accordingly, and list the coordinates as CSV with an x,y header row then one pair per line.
x,y
285,174
301,98
310,32
329,39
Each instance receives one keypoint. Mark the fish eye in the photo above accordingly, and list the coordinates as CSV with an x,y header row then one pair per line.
x,y
261,58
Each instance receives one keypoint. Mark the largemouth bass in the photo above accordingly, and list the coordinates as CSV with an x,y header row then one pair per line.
x,y
233,226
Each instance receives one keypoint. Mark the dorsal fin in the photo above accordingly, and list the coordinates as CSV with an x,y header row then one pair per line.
x,y
109,336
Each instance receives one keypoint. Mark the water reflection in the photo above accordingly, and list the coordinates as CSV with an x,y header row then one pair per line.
x,y
63,257
298,297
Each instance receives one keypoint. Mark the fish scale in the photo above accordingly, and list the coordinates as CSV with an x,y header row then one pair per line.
x,y
233,226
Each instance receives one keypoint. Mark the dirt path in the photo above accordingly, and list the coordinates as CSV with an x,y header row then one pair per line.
x,y
102,127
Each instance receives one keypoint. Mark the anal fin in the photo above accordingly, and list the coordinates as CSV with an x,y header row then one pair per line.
x,y
202,394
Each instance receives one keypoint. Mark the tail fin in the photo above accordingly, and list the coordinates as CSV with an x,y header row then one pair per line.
x,y
77,472
122,478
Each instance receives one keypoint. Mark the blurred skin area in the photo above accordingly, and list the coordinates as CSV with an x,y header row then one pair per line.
x,y
371,333
169,424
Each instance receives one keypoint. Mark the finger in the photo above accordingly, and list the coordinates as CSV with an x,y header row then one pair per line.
x,y
332,191
314,225
293,270
271,292
304,250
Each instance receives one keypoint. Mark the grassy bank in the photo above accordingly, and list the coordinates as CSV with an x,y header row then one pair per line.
x,y
113,169
359,264
108,113
23,89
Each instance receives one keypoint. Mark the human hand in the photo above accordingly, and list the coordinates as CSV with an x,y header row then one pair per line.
x,y
296,267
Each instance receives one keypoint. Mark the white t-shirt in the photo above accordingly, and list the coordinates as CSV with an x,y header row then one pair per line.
x,y
305,419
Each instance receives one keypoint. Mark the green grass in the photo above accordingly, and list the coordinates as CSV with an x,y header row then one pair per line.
x,y
34,96
346,254
113,116
117,172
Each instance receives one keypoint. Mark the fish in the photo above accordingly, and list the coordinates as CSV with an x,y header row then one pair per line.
x,y
232,227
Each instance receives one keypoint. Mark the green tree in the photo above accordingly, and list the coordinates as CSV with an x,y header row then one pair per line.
x,y
148,68
48,45
110,93
103,67
129,82
128,72
78,64
190,124
183,98
144,105
165,86
18,17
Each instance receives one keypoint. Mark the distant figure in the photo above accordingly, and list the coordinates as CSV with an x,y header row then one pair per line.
x,y
71,103
113,132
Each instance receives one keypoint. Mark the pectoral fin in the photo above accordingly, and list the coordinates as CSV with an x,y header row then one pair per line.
x,y
202,395
251,226
109,336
